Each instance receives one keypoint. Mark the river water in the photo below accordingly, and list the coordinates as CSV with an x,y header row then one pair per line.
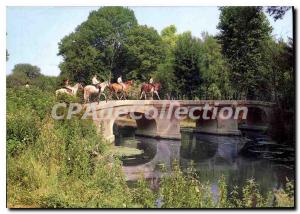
x,y
211,155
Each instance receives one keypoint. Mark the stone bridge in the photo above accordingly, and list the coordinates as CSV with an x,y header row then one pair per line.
x,y
164,124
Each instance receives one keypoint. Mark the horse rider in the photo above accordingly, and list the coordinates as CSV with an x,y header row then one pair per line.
x,y
151,82
95,81
119,80
67,85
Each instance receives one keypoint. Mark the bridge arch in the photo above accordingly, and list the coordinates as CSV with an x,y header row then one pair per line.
x,y
144,126
256,116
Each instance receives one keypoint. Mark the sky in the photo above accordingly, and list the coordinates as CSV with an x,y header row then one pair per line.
x,y
33,33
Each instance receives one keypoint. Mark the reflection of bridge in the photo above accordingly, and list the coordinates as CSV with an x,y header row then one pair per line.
x,y
166,125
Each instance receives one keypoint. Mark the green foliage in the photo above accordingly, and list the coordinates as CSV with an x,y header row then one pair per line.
x,y
16,80
67,164
26,108
213,70
169,38
143,51
97,45
183,190
142,195
22,129
30,99
279,59
31,71
186,65
277,11
28,74
285,197
165,71
243,30
46,83
134,91
111,43
55,163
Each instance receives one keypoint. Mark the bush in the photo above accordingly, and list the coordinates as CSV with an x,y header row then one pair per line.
x,y
30,99
22,130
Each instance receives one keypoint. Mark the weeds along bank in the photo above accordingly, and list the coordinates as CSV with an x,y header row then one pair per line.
x,y
53,163
65,163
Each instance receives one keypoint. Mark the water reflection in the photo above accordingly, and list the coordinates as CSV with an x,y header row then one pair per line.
x,y
212,156
157,153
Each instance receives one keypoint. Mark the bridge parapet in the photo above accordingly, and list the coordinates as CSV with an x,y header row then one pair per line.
x,y
170,127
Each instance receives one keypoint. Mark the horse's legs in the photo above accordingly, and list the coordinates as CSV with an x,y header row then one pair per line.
x,y
116,93
142,95
110,95
84,96
105,97
124,95
157,94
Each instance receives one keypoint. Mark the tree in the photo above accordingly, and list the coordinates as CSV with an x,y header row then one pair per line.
x,y
243,30
213,70
30,71
165,71
186,65
143,52
279,58
97,45
23,74
277,12
169,38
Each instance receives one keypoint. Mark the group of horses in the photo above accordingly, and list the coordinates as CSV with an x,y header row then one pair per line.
x,y
120,91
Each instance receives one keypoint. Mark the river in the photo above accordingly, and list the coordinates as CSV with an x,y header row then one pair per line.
x,y
238,158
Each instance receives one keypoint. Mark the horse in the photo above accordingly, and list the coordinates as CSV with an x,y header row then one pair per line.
x,y
118,88
71,90
150,88
92,89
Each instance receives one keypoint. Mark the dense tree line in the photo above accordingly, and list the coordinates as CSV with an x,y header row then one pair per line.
x,y
242,62
23,74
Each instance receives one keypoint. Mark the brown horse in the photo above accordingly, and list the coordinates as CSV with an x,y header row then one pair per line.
x,y
150,88
116,88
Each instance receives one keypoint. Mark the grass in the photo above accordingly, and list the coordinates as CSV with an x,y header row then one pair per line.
x,y
121,151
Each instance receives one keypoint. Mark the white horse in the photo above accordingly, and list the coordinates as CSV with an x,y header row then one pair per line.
x,y
91,89
72,90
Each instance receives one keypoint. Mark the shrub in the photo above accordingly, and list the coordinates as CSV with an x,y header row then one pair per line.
x,y
22,130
